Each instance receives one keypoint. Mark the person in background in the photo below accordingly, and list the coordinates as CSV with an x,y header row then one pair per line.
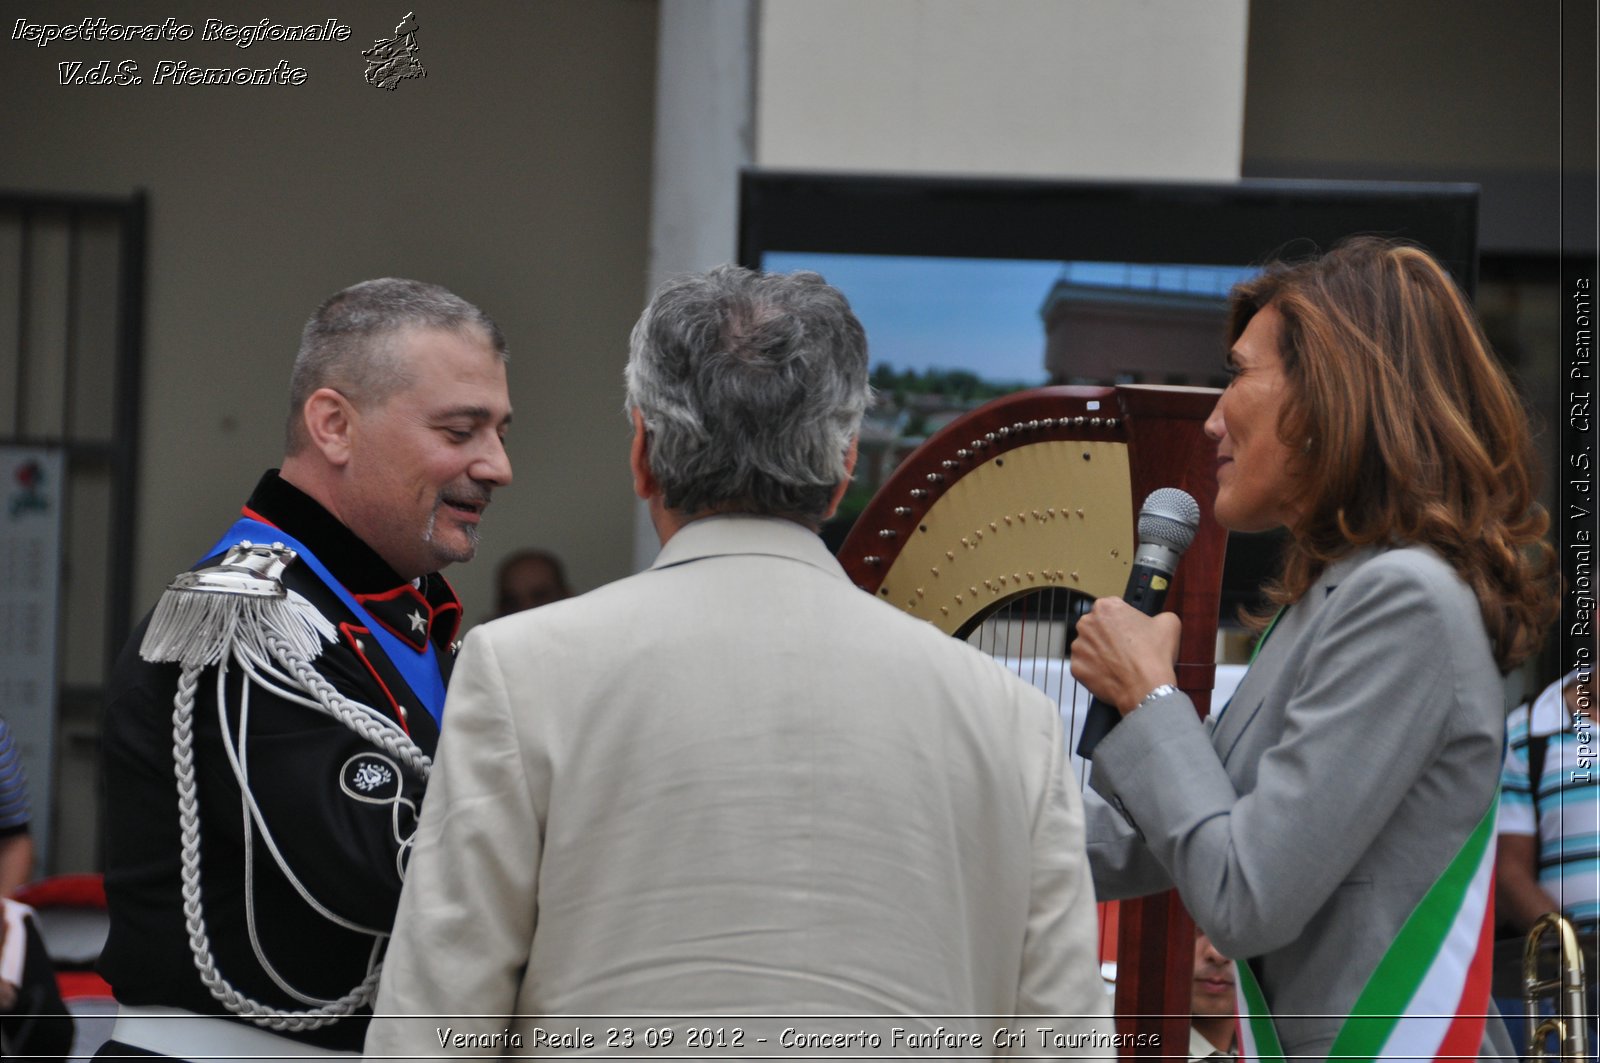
x,y
1214,1031
34,1023
1548,858
16,840
528,579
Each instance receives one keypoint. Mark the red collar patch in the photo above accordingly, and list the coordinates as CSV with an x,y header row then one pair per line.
x,y
405,612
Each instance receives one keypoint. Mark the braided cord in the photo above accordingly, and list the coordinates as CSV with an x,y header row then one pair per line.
x,y
362,721
379,731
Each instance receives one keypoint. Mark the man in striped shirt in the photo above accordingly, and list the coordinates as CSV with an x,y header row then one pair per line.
x,y
1549,846
1550,834
16,844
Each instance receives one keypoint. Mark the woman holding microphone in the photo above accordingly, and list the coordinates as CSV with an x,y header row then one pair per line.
x,y
1333,825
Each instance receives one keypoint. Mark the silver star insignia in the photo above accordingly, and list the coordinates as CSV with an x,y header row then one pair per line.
x,y
417,623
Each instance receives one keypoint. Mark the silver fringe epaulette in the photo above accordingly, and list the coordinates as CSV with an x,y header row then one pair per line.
x,y
238,604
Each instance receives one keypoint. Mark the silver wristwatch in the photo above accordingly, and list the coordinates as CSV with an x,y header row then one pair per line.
x,y
1159,692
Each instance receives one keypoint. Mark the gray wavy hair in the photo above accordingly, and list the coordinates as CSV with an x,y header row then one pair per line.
x,y
751,387
344,344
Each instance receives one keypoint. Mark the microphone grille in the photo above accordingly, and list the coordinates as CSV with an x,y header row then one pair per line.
x,y
1170,517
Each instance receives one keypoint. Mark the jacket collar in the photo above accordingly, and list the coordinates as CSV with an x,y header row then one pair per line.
x,y
414,612
734,534
1202,1049
1297,615
1339,571
1548,714
1294,621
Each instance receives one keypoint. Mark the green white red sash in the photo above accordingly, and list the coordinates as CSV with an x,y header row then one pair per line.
x,y
1428,997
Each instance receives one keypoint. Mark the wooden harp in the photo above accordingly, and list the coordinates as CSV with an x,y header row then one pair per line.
x,y
1004,524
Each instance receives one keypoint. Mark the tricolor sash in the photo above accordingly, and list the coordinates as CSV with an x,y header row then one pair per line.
x,y
1428,997
419,670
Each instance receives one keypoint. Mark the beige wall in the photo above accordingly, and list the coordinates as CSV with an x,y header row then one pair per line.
x,y
1149,89
515,173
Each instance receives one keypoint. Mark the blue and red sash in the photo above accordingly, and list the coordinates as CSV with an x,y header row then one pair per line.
x,y
420,670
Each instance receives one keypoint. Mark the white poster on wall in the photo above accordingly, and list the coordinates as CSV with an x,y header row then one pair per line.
x,y
32,496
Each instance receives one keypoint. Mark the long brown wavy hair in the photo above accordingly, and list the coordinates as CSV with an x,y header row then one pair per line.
x,y
1410,431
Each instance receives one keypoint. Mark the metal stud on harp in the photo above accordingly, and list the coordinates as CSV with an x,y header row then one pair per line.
x,y
1004,525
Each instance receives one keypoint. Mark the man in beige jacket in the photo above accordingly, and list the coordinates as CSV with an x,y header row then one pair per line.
x,y
726,801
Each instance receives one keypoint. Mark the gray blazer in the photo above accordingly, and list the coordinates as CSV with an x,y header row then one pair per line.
x,y
1302,824
736,785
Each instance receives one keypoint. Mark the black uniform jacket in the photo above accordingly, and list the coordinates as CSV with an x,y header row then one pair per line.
x,y
325,794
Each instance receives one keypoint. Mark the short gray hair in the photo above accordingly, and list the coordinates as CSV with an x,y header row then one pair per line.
x,y
345,345
751,387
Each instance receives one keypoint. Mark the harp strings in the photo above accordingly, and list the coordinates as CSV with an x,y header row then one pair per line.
x,y
1032,636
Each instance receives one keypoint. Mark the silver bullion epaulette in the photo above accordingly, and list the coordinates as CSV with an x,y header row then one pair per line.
x,y
238,604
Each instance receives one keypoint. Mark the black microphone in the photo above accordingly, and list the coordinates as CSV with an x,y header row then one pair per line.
x,y
1167,525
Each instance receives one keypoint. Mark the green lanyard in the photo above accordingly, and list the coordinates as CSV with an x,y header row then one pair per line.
x,y
1266,631
1260,642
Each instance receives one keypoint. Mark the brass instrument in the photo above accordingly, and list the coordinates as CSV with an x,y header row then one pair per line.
x,y
1566,988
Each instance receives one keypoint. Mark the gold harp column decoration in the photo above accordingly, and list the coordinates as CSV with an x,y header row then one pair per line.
x,y
1040,490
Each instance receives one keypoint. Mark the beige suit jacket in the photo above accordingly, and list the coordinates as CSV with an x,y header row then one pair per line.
x,y
736,785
